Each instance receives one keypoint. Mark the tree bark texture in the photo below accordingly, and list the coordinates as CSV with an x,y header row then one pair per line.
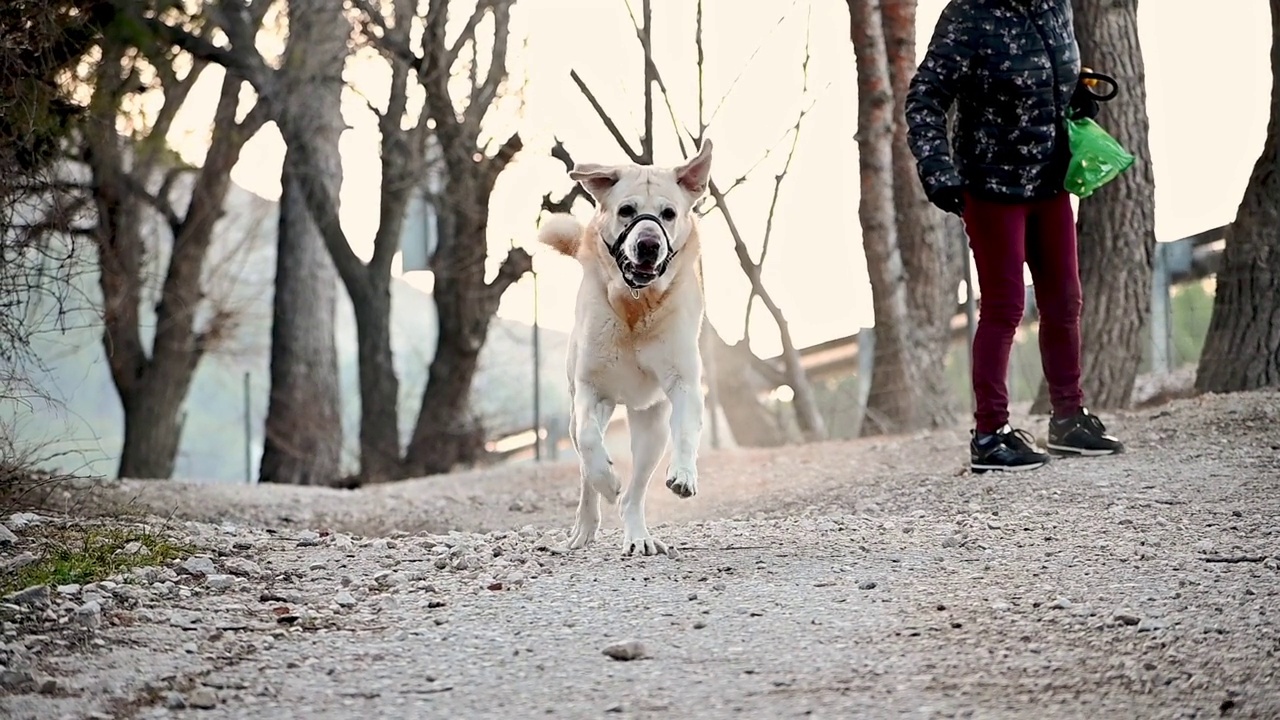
x,y
740,386
1242,348
932,259
895,388
303,441
1116,226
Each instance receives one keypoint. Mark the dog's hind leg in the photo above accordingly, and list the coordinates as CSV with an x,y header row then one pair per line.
x,y
590,415
648,443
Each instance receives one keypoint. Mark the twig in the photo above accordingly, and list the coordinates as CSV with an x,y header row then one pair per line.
x,y
747,64
786,167
1234,558
609,124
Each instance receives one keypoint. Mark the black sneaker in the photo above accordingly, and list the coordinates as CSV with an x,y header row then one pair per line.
x,y
1004,449
1082,434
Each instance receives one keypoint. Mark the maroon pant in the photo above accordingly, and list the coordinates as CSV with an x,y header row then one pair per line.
x,y
1004,236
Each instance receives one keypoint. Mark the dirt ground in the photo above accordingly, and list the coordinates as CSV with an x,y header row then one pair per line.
x,y
874,578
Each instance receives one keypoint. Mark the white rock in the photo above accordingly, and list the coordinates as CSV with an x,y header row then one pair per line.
x,y
198,566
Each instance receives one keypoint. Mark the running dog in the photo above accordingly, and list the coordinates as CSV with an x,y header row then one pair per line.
x,y
635,334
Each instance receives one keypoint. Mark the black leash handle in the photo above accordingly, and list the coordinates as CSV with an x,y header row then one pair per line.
x,y
1100,77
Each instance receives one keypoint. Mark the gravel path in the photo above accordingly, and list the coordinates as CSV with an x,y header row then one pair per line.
x,y
865,579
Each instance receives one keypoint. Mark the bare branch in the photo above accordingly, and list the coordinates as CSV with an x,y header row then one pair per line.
x,y
747,64
609,124
777,180
482,96
468,33
514,266
160,203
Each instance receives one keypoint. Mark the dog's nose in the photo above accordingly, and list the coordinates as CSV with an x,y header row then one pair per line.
x,y
647,249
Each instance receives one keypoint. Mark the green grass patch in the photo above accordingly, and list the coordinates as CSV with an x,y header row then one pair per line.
x,y
82,554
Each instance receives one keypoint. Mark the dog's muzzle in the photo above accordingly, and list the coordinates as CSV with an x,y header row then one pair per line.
x,y
637,278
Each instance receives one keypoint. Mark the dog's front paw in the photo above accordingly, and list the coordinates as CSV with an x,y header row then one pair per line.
x,y
643,544
584,533
683,482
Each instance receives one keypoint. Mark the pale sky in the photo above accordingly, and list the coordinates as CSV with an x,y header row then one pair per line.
x,y
1208,82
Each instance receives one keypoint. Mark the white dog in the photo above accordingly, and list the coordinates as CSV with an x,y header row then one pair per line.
x,y
635,334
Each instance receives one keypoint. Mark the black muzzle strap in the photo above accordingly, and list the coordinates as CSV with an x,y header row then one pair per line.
x,y
620,258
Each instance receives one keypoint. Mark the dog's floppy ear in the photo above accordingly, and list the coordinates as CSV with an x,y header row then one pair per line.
x,y
694,175
595,179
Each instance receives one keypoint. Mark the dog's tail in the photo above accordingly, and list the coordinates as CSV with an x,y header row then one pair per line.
x,y
561,231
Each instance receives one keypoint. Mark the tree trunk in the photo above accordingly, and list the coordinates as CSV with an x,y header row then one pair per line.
x,y
379,384
153,420
303,441
895,391
1242,348
446,434
1116,226
932,260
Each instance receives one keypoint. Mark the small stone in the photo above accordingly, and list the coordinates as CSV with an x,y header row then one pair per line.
x,y
242,567
20,561
1126,617
345,599
203,698
190,648
867,585
993,525
950,541
628,650
7,537
34,595
47,686
1060,604
220,582
718,586
1151,625
198,566
72,589
308,538
16,680
135,548
699,624
385,544
175,701
89,613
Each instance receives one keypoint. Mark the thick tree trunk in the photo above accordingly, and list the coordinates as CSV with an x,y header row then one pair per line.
x,y
1116,226
153,420
1242,348
931,258
446,434
895,389
303,441
379,385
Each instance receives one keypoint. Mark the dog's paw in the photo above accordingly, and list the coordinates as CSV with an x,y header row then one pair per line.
x,y
583,535
606,482
645,546
683,482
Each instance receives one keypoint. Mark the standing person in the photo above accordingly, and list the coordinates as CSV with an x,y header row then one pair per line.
x,y
1010,68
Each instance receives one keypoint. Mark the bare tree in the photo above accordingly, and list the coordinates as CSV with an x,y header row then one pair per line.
x,y
130,178
895,399
1117,225
1242,348
303,431
747,424
466,301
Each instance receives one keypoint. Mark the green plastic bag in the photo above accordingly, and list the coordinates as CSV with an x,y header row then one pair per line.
x,y
1096,157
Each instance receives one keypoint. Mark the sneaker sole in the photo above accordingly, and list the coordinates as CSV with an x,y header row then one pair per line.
x,y
1081,452
1005,468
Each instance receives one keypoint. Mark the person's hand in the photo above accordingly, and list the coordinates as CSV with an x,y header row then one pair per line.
x,y
949,199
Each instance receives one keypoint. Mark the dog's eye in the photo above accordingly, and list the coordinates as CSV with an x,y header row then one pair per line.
x,y
669,214
626,211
